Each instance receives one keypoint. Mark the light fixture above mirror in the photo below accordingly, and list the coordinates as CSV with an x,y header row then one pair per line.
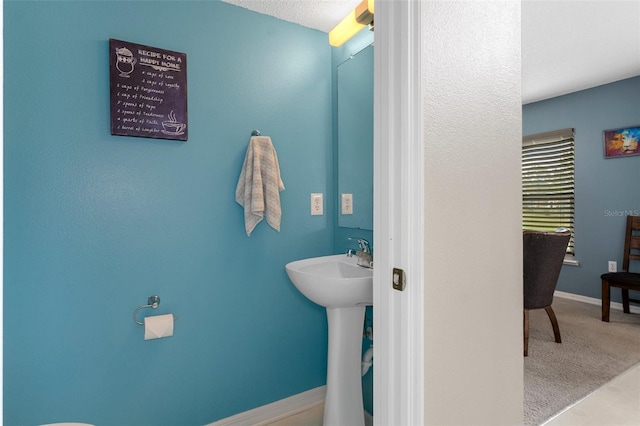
x,y
355,21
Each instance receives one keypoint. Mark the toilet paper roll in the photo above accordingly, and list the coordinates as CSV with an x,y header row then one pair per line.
x,y
158,326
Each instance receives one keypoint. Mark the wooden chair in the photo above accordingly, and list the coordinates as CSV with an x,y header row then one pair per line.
x,y
543,255
624,279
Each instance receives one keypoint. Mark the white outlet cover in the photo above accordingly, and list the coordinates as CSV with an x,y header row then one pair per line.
x,y
346,204
316,205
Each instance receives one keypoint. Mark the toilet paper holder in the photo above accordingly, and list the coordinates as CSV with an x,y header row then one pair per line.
x,y
153,302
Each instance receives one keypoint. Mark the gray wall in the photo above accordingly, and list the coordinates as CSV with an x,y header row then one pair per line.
x,y
606,189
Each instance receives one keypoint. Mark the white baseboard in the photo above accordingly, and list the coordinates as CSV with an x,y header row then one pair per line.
x,y
368,419
593,301
276,410
281,409
303,401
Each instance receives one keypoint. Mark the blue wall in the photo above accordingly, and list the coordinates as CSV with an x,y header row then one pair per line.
x,y
606,189
94,223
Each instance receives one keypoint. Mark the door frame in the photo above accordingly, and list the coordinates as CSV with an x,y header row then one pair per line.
x,y
398,214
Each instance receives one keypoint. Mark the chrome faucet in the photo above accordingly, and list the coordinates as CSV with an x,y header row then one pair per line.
x,y
364,255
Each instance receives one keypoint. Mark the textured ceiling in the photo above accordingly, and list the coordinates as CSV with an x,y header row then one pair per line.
x,y
567,45
321,15
573,45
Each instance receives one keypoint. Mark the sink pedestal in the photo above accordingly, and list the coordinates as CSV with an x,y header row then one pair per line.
x,y
343,404
344,289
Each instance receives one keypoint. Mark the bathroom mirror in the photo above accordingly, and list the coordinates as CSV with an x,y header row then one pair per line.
x,y
355,139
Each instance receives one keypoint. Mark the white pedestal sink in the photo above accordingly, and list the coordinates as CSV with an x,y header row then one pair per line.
x,y
344,289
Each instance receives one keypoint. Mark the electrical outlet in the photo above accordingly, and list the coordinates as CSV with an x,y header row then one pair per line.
x,y
316,205
347,204
613,266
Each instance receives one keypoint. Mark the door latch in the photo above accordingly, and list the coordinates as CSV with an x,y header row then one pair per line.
x,y
399,279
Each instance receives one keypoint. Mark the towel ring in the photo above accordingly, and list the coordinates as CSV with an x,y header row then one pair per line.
x,y
256,133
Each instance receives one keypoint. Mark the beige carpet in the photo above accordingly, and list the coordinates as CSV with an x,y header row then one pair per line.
x,y
592,352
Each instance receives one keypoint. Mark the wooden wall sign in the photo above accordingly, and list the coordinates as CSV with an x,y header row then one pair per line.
x,y
148,91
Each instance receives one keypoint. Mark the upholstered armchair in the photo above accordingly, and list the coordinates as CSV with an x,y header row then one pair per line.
x,y
543,255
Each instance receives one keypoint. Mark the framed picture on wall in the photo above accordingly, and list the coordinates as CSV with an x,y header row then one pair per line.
x,y
148,91
622,142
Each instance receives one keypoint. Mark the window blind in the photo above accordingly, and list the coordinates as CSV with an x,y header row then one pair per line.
x,y
548,183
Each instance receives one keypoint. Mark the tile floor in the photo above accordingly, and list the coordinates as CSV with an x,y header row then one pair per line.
x,y
617,403
311,417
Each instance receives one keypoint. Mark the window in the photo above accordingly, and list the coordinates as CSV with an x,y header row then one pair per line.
x,y
548,183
